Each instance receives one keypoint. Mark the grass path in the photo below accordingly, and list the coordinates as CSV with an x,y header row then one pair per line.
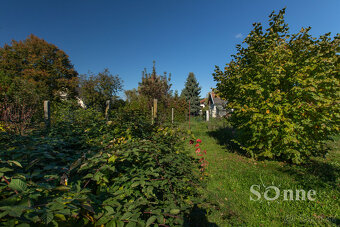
x,y
231,175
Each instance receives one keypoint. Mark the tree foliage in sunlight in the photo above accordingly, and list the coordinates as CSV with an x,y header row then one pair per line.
x,y
285,91
95,90
155,86
41,63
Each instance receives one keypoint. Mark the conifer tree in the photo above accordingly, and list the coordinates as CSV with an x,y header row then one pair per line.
x,y
191,93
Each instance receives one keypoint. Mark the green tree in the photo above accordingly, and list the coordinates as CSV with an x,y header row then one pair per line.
x,y
155,86
131,95
95,90
284,90
191,92
41,63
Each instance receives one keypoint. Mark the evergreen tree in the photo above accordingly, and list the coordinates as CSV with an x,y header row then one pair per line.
x,y
191,93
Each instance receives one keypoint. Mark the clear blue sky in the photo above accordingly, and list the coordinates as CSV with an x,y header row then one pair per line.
x,y
181,35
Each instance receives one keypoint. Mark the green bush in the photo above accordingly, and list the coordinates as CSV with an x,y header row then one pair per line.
x,y
284,90
90,171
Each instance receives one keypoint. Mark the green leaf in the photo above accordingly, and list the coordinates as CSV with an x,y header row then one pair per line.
x,y
23,225
17,184
112,158
89,175
131,224
3,214
16,163
151,220
120,223
5,169
135,184
126,216
62,188
112,223
175,211
47,217
160,218
14,211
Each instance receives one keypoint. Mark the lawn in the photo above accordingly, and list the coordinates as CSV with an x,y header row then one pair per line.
x,y
231,174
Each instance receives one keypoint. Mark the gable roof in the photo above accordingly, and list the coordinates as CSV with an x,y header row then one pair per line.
x,y
216,100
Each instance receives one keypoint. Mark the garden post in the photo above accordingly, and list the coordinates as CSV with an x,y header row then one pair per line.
x,y
107,109
172,115
155,109
207,115
47,114
151,114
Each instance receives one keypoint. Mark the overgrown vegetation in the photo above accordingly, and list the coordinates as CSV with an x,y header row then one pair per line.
x,y
96,90
125,166
87,171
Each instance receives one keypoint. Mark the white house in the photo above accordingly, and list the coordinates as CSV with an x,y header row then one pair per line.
x,y
64,95
216,105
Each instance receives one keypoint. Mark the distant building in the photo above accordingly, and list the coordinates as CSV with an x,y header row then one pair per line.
x,y
202,105
217,106
64,95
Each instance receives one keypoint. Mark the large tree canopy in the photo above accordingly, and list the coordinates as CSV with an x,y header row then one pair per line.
x,y
40,62
191,92
285,90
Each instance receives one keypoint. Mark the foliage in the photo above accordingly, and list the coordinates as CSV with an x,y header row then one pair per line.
x,y
191,92
95,90
180,106
20,103
284,90
15,116
88,171
40,63
155,86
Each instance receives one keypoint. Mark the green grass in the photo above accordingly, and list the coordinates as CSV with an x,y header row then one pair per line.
x,y
231,175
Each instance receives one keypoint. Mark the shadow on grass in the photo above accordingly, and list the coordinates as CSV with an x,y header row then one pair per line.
x,y
224,137
315,173
198,218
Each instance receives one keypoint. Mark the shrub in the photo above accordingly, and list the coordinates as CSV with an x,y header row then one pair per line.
x,y
88,172
284,90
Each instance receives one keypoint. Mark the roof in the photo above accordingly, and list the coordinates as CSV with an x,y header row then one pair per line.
x,y
202,101
216,99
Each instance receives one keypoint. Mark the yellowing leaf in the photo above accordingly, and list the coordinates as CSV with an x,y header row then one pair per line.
x,y
112,158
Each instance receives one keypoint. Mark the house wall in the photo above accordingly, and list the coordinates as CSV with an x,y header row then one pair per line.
x,y
217,111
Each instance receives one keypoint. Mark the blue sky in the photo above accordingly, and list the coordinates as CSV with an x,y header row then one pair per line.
x,y
182,36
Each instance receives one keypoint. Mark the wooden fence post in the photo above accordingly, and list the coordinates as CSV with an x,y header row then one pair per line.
x,y
207,115
155,109
172,115
151,114
47,114
107,109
